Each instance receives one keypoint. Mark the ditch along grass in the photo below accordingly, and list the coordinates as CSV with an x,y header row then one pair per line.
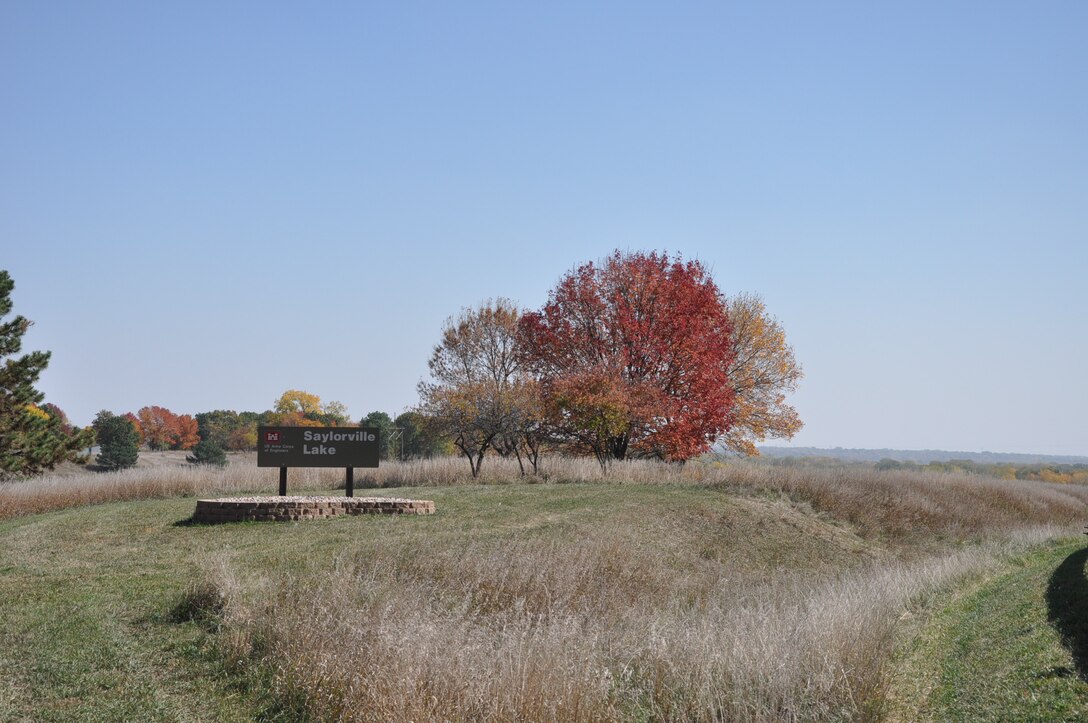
x,y
1010,646
686,601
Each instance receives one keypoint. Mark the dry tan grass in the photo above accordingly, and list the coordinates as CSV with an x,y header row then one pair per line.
x,y
590,631
44,494
904,505
605,625
887,505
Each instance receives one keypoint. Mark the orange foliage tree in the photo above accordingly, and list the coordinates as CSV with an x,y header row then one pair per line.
x,y
162,429
185,434
157,424
136,425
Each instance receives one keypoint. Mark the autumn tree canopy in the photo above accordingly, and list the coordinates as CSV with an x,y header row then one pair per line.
x,y
762,372
298,408
186,433
157,426
633,358
135,425
479,394
162,429
296,401
228,429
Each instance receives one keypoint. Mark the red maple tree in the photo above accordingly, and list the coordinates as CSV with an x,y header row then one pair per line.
x,y
633,358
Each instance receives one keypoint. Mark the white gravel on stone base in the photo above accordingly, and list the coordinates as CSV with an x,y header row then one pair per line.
x,y
307,498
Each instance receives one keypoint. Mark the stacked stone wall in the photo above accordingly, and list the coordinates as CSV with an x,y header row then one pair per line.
x,y
285,509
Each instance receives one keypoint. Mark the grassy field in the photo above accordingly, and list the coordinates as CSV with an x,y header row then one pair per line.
x,y
92,594
659,593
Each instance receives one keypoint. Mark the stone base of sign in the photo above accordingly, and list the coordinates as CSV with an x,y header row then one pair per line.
x,y
286,509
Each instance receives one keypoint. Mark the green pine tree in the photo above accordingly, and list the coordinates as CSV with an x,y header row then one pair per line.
x,y
207,451
31,439
384,424
118,441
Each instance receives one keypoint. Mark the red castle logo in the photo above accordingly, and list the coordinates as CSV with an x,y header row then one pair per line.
x,y
271,437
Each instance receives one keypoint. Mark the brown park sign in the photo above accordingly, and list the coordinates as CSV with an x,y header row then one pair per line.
x,y
317,447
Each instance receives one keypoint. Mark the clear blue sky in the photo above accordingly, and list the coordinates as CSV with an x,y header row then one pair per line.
x,y
206,204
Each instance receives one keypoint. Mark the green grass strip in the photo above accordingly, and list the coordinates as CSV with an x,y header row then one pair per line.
x,y
1010,647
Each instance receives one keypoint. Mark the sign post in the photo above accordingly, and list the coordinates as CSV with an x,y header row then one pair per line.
x,y
346,447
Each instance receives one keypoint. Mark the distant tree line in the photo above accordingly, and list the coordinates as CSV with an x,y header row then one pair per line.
x,y
1064,473
920,456
210,435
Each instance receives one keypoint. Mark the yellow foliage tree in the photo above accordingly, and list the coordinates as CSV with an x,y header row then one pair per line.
x,y
37,412
764,370
295,401
296,408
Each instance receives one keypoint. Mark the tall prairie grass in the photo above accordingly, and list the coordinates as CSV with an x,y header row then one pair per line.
x,y
589,631
44,494
903,504
895,504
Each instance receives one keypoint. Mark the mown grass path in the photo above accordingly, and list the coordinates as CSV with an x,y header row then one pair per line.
x,y
87,635
1012,646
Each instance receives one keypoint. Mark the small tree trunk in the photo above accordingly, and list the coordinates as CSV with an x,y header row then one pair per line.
x,y
532,452
603,454
479,462
462,445
521,465
618,446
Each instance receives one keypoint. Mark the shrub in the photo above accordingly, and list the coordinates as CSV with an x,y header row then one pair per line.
x,y
207,452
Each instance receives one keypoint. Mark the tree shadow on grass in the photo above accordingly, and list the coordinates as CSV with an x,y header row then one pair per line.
x,y
187,522
1067,607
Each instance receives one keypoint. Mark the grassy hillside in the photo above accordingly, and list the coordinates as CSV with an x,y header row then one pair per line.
x,y
658,592
92,594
